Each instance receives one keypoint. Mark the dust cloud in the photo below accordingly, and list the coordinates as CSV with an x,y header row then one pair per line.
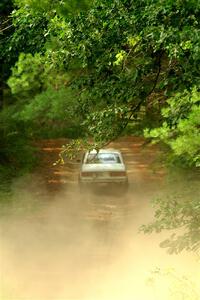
x,y
59,244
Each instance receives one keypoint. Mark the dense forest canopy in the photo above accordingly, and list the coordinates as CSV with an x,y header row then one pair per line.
x,y
91,69
121,62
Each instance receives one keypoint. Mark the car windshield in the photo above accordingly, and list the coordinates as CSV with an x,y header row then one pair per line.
x,y
103,158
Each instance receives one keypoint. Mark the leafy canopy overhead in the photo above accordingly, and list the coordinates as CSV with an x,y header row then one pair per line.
x,y
127,56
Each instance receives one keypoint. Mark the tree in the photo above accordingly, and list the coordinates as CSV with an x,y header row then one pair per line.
x,y
6,7
127,55
180,128
177,210
180,132
24,42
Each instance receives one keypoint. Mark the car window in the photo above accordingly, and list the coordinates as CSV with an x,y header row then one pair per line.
x,y
103,158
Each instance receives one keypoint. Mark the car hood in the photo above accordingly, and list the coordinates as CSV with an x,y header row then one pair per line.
x,y
102,167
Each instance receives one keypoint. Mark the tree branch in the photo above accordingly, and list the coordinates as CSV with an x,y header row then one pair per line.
x,y
135,108
4,29
157,75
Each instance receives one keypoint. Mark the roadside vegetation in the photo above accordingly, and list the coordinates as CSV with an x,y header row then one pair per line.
x,y
96,69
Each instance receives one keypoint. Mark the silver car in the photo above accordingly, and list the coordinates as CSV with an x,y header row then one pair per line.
x,y
104,168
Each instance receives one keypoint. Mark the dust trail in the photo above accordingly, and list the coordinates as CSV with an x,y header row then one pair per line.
x,y
72,246
58,244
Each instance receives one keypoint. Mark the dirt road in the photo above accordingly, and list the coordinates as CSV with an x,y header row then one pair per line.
x,y
58,244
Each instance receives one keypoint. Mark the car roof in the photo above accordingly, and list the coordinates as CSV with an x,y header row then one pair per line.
x,y
109,150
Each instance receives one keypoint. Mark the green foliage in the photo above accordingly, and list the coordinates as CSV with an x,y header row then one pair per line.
x,y
178,208
106,125
181,127
25,74
47,115
115,53
126,50
64,7
17,157
15,151
33,74
51,114
131,55
74,150
22,32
